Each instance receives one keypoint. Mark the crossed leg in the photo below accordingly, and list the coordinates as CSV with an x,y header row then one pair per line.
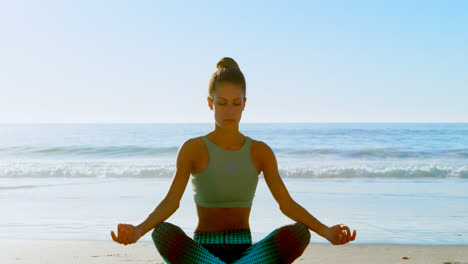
x,y
283,245
176,247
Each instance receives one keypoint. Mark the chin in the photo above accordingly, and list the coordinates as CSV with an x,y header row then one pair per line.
x,y
225,124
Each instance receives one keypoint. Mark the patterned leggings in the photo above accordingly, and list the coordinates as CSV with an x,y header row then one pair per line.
x,y
283,245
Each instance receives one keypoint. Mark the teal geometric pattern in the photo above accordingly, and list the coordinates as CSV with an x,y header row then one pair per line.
x,y
283,245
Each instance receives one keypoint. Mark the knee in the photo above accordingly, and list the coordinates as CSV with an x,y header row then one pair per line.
x,y
298,232
165,230
292,240
302,232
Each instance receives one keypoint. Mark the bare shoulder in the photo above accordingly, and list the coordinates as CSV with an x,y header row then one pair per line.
x,y
193,154
184,166
190,148
191,144
261,147
262,152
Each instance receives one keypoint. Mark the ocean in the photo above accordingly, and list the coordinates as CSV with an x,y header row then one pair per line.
x,y
397,183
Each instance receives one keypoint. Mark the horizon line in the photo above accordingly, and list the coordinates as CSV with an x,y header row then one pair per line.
x,y
276,122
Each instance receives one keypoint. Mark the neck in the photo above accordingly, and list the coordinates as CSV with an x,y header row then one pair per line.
x,y
224,135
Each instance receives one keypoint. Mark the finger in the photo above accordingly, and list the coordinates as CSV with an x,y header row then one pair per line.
x,y
114,237
122,232
344,237
340,240
118,239
354,235
122,227
125,236
119,230
348,232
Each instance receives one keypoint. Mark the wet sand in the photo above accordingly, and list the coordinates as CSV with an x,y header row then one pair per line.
x,y
77,251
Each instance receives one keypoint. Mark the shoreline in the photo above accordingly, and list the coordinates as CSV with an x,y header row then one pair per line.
x,y
83,251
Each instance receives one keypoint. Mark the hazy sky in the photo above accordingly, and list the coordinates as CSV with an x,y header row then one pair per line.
x,y
304,61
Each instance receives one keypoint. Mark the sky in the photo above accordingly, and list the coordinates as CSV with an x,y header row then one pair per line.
x,y
303,61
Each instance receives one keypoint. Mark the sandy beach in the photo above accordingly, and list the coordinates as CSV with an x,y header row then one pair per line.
x,y
75,251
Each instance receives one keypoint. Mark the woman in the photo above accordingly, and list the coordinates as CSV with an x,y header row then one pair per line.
x,y
225,165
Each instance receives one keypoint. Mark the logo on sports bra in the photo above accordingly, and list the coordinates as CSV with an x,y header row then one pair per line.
x,y
231,167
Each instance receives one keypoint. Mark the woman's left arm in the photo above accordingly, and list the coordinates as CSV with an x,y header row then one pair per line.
x,y
337,235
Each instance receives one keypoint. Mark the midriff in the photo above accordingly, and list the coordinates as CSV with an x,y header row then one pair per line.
x,y
218,219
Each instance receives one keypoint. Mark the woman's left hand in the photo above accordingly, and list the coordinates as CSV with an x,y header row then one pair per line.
x,y
339,234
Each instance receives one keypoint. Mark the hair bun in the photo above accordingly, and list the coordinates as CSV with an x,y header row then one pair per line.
x,y
226,62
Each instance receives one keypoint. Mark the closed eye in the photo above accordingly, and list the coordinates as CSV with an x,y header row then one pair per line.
x,y
225,104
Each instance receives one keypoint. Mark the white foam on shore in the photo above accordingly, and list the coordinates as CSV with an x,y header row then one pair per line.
x,y
148,169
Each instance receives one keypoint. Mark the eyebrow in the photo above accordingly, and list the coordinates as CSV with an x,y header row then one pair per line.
x,y
234,98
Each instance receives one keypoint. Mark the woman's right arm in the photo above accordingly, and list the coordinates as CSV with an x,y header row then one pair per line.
x,y
170,203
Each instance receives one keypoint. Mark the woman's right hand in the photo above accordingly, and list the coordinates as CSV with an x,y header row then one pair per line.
x,y
126,234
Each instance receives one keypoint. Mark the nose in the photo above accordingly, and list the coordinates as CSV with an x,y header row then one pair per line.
x,y
230,108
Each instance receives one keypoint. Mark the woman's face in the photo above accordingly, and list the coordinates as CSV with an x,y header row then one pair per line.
x,y
228,104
